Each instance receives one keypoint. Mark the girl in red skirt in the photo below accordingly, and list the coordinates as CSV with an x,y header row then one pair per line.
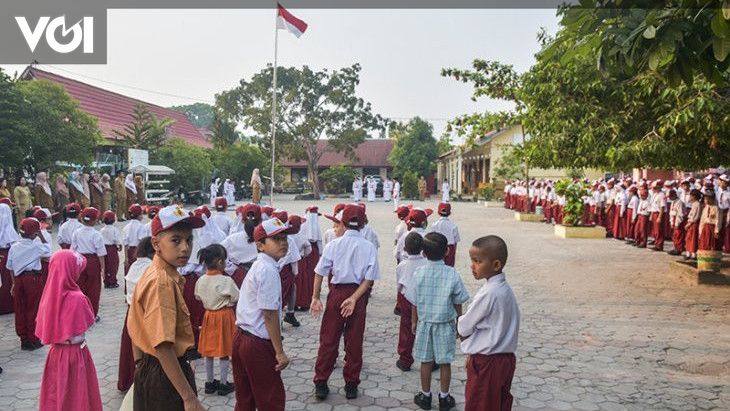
x,y
64,315
641,228
691,228
710,224
632,205
305,279
8,236
219,295
676,217
618,213
113,243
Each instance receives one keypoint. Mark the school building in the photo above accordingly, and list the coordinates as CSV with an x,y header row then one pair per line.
x,y
465,167
113,111
371,158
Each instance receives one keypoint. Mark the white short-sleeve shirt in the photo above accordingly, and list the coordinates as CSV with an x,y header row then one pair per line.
x,y
130,233
111,235
67,229
25,255
447,227
351,258
260,290
86,240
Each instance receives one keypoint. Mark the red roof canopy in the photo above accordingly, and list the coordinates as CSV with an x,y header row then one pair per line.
x,y
370,153
114,110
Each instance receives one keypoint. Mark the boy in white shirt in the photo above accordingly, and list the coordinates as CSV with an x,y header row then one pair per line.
x,y
89,243
220,219
66,230
113,244
489,330
288,270
131,235
404,275
146,229
449,230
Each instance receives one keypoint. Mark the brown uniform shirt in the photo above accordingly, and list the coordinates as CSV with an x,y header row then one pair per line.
x,y
158,313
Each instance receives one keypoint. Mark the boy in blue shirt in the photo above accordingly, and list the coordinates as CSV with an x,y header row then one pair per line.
x,y
437,293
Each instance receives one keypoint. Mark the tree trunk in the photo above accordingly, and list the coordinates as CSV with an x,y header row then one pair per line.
x,y
312,170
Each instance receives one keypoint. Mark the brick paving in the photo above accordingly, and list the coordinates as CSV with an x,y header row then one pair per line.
x,y
604,327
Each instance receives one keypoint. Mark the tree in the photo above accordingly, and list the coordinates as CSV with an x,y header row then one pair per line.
x,y
54,129
200,114
11,134
410,185
192,164
337,179
510,165
444,144
312,105
145,131
677,39
415,149
224,131
238,161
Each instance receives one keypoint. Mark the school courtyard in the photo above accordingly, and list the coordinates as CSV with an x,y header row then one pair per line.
x,y
604,326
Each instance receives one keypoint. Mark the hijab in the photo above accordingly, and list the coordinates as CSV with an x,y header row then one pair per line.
x,y
61,186
64,311
41,179
129,183
105,182
255,177
85,184
73,179
8,235
95,183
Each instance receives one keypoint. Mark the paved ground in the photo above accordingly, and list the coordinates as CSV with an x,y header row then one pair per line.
x,y
604,327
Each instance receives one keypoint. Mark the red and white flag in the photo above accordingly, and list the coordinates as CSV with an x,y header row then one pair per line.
x,y
287,21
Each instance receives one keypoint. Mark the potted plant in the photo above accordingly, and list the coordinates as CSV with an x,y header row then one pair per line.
x,y
572,215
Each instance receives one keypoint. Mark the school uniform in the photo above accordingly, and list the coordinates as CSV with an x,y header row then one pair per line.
x,y
691,236
258,384
631,215
130,239
190,273
641,226
112,240
404,276
396,194
676,220
619,213
610,211
399,230
219,295
445,191
8,236
24,261
399,252
329,235
288,269
352,259
506,194
658,211
305,280
710,223
447,227
369,234
241,255
723,204
490,327
223,222
66,230
125,376
44,261
89,242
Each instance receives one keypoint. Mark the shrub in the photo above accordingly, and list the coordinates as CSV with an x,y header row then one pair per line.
x,y
410,185
338,179
573,193
485,191
192,164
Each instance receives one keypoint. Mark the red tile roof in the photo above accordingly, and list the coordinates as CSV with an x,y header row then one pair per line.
x,y
371,153
114,110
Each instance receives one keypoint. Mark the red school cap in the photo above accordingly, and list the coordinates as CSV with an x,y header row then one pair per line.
x,y
29,226
171,216
444,209
269,228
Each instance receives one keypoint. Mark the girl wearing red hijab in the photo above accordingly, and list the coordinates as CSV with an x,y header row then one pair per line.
x,y
64,315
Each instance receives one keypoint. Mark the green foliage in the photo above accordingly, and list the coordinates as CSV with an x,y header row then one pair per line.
x,y
224,131
486,191
53,128
510,165
575,173
12,140
311,105
573,193
338,179
238,161
200,114
410,185
444,144
145,131
415,149
192,164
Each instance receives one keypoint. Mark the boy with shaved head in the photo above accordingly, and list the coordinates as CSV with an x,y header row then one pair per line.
x,y
489,330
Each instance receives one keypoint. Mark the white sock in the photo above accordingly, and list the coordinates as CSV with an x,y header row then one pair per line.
x,y
209,369
427,394
443,394
224,370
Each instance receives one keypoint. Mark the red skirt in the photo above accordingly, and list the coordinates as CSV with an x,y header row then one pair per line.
x,y
111,265
707,238
69,380
618,224
678,238
629,224
287,284
305,279
691,238
6,300
194,306
611,217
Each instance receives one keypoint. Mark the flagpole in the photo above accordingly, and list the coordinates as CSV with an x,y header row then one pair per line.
x,y
273,107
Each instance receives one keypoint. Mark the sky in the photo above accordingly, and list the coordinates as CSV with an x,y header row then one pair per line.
x,y
174,57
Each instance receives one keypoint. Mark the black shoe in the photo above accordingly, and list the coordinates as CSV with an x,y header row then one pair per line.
x,y
321,391
401,366
423,401
26,346
225,389
447,403
32,345
114,285
396,311
291,319
98,318
657,249
211,387
350,391
1,370
673,252
435,367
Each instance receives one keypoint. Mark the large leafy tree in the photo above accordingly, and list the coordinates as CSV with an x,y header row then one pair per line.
x,y
11,133
145,131
415,148
238,160
192,164
200,114
53,127
312,106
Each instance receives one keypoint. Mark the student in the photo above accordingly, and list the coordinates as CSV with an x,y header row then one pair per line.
x,y
445,191
396,192
266,213
658,210
723,203
437,293
240,245
353,262
710,224
641,225
416,221
404,275
158,321
305,280
24,262
113,244
301,241
288,269
66,230
387,190
65,314
331,233
45,218
401,213
89,243
8,236
258,352
146,229
489,330
219,218
372,187
368,231
618,210
145,253
676,217
632,208
691,228
131,235
219,294
449,230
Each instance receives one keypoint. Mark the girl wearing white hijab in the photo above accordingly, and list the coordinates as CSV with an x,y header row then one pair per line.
x,y
131,189
8,235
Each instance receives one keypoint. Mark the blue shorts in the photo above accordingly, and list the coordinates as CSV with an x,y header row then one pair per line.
x,y
435,342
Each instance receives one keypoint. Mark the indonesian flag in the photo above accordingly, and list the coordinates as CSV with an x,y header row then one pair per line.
x,y
287,21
